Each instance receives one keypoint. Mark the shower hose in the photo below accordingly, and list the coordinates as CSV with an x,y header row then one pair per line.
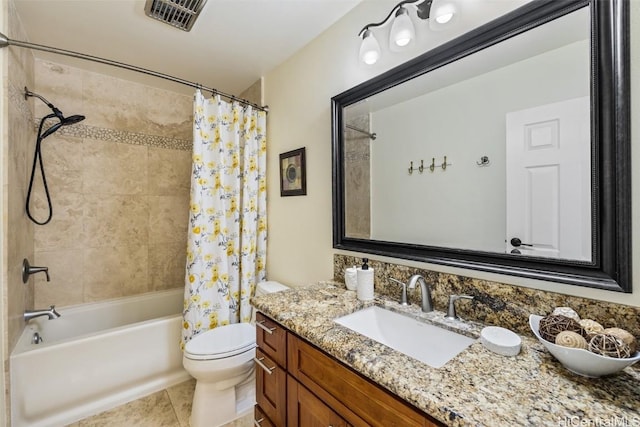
x,y
37,160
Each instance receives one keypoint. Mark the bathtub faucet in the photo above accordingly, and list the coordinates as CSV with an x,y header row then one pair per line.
x,y
32,314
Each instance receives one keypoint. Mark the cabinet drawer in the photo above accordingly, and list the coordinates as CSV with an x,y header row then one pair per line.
x,y
339,386
271,339
260,419
305,409
271,388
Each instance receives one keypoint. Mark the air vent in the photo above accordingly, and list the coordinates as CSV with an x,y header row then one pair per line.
x,y
177,13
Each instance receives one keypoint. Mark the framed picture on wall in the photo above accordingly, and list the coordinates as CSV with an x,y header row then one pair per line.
x,y
293,179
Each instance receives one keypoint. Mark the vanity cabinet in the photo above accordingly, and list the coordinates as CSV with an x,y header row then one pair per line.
x,y
299,385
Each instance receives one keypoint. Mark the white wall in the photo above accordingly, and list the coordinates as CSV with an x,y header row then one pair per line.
x,y
463,206
299,92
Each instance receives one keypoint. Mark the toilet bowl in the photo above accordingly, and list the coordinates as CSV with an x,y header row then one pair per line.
x,y
221,361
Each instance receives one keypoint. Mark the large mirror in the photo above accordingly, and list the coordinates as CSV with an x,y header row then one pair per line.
x,y
506,150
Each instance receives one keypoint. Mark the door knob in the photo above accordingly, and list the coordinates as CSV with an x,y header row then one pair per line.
x,y
517,242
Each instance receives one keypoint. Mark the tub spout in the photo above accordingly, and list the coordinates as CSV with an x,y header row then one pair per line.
x,y
51,313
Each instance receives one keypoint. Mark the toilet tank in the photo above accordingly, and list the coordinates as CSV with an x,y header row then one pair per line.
x,y
267,287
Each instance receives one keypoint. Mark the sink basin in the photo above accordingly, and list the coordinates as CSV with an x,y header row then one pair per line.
x,y
427,343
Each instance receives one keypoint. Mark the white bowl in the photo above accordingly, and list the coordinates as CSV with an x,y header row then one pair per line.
x,y
579,361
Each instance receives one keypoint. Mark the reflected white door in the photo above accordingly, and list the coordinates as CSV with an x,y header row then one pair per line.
x,y
549,180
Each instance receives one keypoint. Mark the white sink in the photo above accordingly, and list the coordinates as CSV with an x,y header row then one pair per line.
x,y
430,344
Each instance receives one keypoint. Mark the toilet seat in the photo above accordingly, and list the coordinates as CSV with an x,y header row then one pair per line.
x,y
222,342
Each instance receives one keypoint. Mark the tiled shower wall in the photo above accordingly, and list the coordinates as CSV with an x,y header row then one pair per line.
x,y
119,184
17,232
357,179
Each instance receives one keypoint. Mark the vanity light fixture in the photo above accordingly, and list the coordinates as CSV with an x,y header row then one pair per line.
x,y
440,13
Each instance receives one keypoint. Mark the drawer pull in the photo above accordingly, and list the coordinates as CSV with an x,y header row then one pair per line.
x,y
267,330
263,366
257,422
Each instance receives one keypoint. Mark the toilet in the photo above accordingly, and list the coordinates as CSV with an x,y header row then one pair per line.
x,y
221,361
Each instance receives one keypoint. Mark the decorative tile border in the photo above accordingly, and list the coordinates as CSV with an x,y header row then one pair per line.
x,y
495,303
125,137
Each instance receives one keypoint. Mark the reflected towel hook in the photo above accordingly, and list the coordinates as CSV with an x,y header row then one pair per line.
x,y
484,161
432,167
421,167
411,169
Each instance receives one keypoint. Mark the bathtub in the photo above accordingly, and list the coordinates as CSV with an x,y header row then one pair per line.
x,y
95,357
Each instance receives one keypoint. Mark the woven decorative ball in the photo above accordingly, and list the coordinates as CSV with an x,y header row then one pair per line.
x,y
551,326
609,345
571,339
625,336
566,312
591,327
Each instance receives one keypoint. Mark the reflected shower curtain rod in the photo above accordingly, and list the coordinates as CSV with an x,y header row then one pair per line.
x,y
369,134
5,41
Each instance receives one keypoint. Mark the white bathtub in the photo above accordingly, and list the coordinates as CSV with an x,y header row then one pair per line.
x,y
96,357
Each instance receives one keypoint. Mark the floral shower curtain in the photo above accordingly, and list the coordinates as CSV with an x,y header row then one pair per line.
x,y
227,223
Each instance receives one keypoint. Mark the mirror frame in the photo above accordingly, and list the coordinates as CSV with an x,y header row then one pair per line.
x,y
610,267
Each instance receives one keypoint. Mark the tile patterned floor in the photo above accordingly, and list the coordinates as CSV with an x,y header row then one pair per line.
x,y
166,408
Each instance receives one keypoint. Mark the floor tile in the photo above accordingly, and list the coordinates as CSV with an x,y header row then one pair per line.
x,y
151,411
181,396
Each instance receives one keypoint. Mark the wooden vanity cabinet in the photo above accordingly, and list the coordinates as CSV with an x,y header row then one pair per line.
x,y
310,388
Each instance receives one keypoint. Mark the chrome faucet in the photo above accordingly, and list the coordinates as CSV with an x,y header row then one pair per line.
x,y
32,314
451,311
427,303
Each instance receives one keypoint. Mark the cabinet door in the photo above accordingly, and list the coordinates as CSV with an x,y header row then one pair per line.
x,y
306,410
271,388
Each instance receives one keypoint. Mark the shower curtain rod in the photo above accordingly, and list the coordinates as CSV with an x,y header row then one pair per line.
x,y
5,41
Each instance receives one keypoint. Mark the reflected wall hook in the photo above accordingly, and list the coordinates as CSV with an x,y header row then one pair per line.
x,y
444,164
484,161
411,169
421,168
433,164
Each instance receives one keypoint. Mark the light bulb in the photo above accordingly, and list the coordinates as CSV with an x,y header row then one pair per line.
x,y
443,19
402,31
369,49
442,12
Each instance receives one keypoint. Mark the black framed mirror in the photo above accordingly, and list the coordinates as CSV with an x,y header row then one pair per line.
x,y
432,163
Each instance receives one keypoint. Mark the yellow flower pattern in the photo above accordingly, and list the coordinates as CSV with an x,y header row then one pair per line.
x,y
226,250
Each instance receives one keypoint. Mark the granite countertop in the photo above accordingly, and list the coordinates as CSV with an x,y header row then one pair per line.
x,y
477,387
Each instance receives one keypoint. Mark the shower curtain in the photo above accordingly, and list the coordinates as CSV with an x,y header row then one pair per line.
x,y
227,222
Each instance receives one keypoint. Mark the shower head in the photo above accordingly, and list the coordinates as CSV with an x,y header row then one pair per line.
x,y
71,120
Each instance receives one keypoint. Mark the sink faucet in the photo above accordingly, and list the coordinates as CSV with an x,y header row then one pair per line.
x,y
427,303
32,314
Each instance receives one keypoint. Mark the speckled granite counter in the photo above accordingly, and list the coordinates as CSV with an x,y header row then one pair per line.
x,y
477,387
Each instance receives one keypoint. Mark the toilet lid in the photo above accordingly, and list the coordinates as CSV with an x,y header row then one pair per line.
x,y
221,342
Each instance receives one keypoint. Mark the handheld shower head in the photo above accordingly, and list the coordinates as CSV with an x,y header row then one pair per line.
x,y
72,120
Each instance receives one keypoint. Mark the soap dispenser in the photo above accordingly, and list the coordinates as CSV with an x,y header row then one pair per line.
x,y
364,289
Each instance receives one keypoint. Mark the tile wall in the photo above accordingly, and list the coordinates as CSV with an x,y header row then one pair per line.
x,y
357,178
119,184
17,235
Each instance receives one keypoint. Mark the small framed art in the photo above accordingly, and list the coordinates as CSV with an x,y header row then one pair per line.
x,y
293,179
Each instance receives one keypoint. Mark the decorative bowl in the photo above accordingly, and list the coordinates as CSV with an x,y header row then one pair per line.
x,y
579,361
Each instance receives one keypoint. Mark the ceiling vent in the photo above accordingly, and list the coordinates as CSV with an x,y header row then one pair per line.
x,y
177,13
